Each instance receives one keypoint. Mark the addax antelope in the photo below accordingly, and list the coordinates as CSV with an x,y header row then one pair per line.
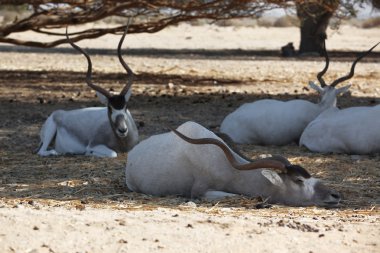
x,y
95,131
274,122
193,162
354,130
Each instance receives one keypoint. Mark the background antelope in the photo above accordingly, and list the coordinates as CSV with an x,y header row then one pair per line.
x,y
274,122
96,131
193,162
354,130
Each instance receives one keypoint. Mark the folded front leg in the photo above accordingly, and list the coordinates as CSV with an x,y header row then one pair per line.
x,y
100,151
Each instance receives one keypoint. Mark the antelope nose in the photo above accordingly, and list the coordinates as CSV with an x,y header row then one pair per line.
x,y
335,195
123,130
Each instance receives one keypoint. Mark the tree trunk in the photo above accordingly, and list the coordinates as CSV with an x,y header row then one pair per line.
x,y
314,21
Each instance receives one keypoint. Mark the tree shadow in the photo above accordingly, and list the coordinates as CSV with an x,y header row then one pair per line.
x,y
24,175
236,54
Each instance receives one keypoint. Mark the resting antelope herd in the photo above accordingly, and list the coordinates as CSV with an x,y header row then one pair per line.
x,y
95,131
274,122
194,162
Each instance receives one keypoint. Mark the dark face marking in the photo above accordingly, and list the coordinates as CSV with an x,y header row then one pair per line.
x,y
117,102
296,170
117,114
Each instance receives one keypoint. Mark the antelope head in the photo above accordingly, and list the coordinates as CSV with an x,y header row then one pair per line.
x,y
287,183
116,104
330,92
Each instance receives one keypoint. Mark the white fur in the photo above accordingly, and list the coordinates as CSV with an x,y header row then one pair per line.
x,y
165,164
216,195
100,151
274,122
115,113
85,131
354,130
309,185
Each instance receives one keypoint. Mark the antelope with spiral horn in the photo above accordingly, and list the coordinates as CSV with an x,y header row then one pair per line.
x,y
94,131
193,162
274,122
353,130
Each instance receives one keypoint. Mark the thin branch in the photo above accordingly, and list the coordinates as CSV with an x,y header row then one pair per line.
x,y
149,16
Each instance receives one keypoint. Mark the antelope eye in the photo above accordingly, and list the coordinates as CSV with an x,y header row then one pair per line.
x,y
299,180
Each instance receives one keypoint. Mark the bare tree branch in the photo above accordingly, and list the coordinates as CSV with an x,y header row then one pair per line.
x,y
149,16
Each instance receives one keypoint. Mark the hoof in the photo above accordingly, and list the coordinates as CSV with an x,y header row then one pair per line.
x,y
48,153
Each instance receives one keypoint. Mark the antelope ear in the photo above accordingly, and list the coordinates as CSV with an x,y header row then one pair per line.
x,y
103,99
343,89
127,95
315,87
273,177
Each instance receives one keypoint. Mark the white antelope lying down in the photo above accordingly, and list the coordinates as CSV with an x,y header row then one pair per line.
x,y
354,130
274,122
194,162
96,131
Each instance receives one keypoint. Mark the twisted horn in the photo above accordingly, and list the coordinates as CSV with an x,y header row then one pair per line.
x,y
320,74
125,65
280,159
89,69
351,74
258,164
227,139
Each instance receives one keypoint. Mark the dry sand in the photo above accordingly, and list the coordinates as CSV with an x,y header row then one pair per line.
x,y
170,230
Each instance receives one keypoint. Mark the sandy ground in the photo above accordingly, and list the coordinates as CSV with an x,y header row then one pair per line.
x,y
80,204
170,230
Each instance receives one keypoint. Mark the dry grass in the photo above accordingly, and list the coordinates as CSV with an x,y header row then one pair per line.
x,y
204,95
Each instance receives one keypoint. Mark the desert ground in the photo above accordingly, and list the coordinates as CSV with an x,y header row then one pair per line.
x,y
199,73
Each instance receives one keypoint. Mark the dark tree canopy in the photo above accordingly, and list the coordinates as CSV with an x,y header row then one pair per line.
x,y
149,16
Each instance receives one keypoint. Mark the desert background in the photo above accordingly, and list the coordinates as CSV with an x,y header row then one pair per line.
x,y
196,72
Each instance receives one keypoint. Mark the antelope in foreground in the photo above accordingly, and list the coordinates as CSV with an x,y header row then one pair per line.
x,y
274,122
94,131
193,162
